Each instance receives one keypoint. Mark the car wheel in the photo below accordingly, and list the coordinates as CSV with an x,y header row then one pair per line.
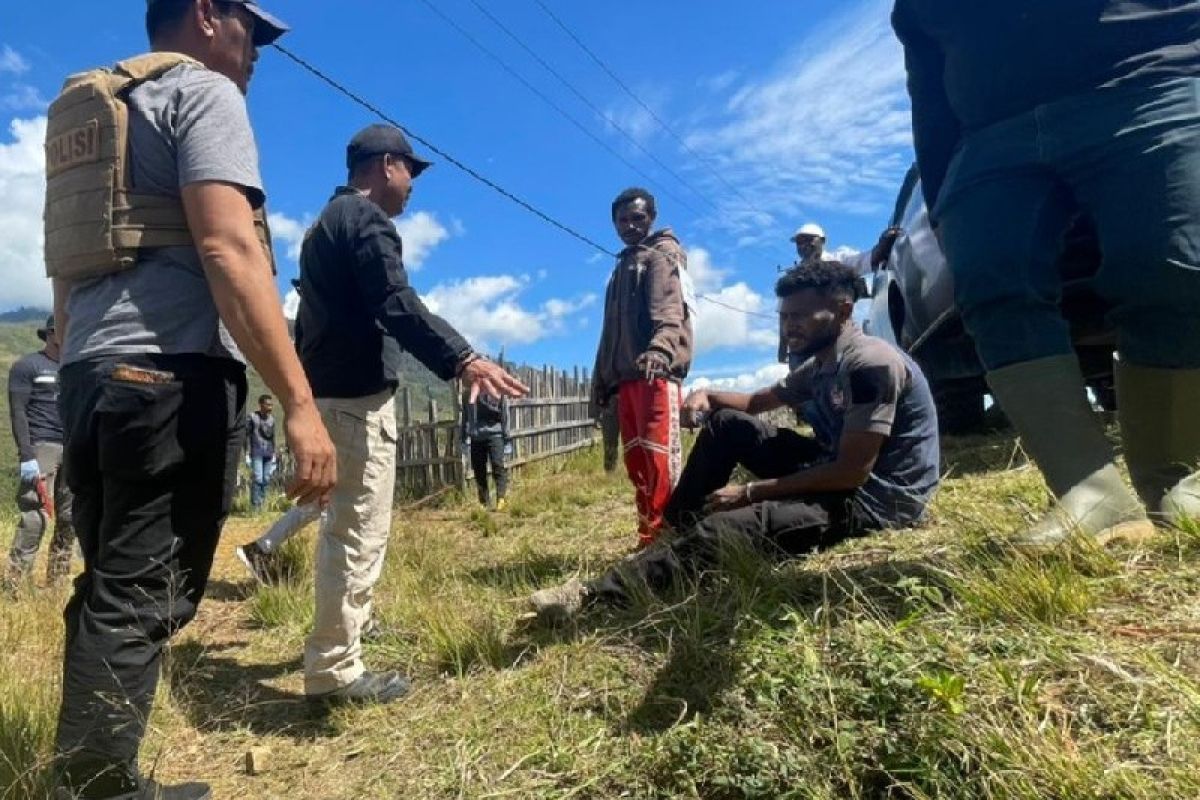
x,y
960,409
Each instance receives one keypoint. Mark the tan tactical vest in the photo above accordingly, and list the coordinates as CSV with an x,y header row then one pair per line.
x,y
95,219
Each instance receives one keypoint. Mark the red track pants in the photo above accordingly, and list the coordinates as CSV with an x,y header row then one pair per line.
x,y
649,417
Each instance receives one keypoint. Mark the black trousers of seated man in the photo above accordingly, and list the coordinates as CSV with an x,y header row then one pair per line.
x,y
776,528
153,468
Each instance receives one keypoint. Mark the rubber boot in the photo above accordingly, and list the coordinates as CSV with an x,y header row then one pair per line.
x,y
1047,404
1159,412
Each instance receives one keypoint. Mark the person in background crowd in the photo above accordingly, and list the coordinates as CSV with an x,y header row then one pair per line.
x,y
42,493
260,449
258,557
645,353
484,431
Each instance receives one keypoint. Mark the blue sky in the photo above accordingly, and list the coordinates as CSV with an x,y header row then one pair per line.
x,y
799,105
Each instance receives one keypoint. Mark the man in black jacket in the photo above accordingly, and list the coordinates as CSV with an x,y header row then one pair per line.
x,y
357,310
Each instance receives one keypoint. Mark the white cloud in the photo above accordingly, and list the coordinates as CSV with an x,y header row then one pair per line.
x,y
23,187
706,275
291,304
760,378
487,310
287,232
729,316
11,61
421,233
720,82
830,129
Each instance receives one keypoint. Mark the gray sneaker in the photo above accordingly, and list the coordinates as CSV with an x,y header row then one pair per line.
x,y
146,790
560,603
370,688
258,562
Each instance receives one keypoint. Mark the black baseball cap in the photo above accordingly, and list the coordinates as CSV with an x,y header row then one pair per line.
x,y
267,27
376,140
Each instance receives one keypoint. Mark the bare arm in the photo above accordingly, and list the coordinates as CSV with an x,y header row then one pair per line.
x,y
243,288
703,401
857,452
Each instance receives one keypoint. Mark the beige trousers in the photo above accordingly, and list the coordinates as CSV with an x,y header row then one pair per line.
x,y
353,538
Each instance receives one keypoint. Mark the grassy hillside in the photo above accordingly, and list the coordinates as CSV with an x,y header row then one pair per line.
x,y
936,663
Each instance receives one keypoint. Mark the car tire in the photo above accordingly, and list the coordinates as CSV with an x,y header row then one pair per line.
x,y
960,410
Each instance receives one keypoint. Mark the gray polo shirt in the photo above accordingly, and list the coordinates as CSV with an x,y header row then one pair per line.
x,y
188,126
870,386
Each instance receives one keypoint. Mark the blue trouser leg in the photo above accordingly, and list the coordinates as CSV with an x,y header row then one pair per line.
x,y
1136,171
1002,217
1130,159
261,468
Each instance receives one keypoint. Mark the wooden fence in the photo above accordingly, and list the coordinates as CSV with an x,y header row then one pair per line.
x,y
552,420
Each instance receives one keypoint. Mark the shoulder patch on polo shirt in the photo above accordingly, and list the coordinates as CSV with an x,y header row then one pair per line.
x,y
872,385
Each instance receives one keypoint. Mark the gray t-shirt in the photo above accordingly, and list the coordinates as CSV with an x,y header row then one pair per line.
x,y
188,126
871,387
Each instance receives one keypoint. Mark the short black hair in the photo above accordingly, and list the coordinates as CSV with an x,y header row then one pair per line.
x,y
635,193
263,397
163,16
830,278
363,165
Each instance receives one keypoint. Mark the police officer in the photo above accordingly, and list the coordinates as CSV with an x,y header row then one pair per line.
x,y
1011,151
161,296
357,310
42,492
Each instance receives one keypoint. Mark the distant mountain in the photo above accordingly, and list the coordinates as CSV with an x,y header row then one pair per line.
x,y
25,314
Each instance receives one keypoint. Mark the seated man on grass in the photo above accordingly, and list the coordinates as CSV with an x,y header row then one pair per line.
x,y
873,464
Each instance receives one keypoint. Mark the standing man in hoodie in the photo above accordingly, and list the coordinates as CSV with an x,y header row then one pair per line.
x,y
645,353
1024,145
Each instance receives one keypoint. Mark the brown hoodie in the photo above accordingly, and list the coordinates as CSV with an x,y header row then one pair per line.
x,y
644,309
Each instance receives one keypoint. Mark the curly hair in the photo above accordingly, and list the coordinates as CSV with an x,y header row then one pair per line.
x,y
830,278
635,193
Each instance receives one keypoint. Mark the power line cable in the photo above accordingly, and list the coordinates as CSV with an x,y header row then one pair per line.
x,y
356,98
723,304
550,101
592,106
658,120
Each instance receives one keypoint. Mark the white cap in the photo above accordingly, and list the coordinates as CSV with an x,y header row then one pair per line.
x,y
809,229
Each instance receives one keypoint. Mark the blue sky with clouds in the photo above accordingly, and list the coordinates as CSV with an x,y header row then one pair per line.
x,y
799,106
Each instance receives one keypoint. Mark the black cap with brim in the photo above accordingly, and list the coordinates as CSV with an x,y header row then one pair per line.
x,y
377,140
267,27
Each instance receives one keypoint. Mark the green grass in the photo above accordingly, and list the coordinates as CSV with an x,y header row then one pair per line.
x,y
938,663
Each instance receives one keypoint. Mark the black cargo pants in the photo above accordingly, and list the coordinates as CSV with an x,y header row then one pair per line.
x,y
777,529
153,469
